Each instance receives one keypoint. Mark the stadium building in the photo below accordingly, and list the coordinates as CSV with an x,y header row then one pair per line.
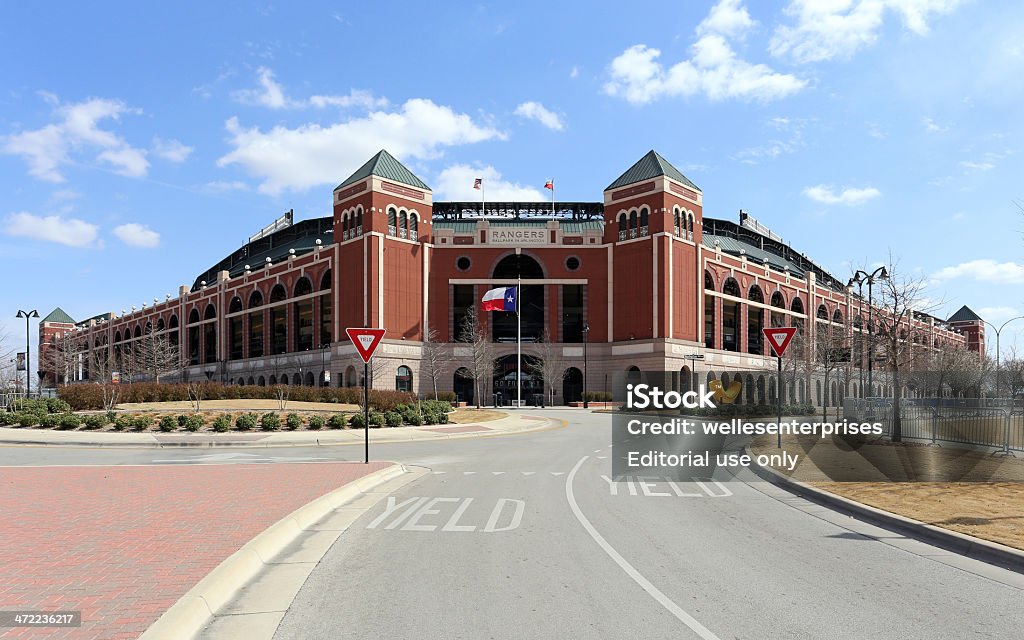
x,y
640,280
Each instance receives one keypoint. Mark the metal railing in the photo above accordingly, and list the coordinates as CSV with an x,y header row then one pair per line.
x,y
983,422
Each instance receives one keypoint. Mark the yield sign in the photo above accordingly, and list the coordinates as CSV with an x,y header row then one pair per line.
x,y
366,341
779,338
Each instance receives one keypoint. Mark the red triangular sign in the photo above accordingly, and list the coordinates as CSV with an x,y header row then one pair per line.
x,y
779,338
365,341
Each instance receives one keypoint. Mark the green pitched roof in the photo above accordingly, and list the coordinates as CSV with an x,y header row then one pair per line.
x,y
964,315
650,166
59,315
384,165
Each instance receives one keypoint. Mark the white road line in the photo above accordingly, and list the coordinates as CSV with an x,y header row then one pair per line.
x,y
557,473
529,473
437,473
497,473
468,473
602,457
631,571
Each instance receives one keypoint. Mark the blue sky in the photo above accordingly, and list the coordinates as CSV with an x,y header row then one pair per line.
x,y
140,144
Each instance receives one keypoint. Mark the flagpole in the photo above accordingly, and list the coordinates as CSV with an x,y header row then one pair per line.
x,y
483,199
552,197
519,345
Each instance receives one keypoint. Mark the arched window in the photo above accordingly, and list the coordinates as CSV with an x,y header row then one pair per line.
x,y
344,226
414,226
403,380
193,316
778,318
159,324
689,225
236,338
632,224
837,316
278,293
623,226
531,300
303,315
730,316
403,224
392,221
236,305
255,299
210,313
326,310
755,321
359,220
643,221
709,311
303,287
675,221
278,321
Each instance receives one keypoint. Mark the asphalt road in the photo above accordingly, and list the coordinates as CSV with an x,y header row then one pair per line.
x,y
524,537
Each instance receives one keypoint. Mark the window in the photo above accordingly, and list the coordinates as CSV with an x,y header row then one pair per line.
x,y
572,312
403,381
463,263
403,224
643,221
709,312
462,300
730,316
622,226
414,226
572,263
755,321
392,221
235,337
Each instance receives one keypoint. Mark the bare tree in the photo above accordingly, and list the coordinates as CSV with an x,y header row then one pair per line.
x,y
1011,372
949,368
196,394
895,331
481,362
548,363
830,354
434,358
60,358
154,354
101,369
281,392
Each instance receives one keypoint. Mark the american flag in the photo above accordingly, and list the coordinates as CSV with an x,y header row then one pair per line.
x,y
477,183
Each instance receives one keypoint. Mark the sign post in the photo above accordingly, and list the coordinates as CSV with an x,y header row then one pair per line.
x,y
779,339
365,341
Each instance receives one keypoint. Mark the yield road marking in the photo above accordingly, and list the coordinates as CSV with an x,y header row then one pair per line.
x,y
409,515
630,570
649,484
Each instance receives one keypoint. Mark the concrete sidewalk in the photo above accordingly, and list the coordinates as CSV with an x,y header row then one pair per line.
x,y
515,423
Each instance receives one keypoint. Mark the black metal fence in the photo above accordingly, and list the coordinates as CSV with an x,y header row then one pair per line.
x,y
984,422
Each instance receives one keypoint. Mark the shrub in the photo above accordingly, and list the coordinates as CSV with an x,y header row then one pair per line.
x,y
316,422
96,421
293,421
122,422
111,416
393,419
246,422
168,423
436,405
56,405
447,396
357,421
182,420
194,422
50,421
414,420
23,405
270,422
222,423
142,423
376,419
337,421
70,421
27,419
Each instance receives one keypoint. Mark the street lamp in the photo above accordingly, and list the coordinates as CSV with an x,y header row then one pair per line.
x,y
998,331
857,280
859,277
324,348
28,359
586,339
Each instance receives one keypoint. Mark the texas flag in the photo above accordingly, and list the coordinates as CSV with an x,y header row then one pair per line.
x,y
477,183
550,184
500,299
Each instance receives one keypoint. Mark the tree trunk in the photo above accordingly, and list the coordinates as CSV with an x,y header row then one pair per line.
x,y
897,419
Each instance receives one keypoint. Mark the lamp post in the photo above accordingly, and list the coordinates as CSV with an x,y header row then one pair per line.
x,y
857,280
586,339
28,357
882,274
323,363
998,331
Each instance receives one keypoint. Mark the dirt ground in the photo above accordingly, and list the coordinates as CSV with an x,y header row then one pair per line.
x,y
991,508
466,416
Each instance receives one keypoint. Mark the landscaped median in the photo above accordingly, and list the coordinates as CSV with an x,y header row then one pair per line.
x,y
990,510
234,415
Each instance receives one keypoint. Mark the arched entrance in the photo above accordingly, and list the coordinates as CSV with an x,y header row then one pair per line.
x,y
531,300
572,385
505,380
462,385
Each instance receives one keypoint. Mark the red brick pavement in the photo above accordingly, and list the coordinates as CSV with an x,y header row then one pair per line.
x,y
122,544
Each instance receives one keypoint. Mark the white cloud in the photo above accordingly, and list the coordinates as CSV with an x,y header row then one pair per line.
x,y
876,131
272,95
714,70
827,29
976,166
574,72
998,314
984,270
70,231
933,127
137,235
48,148
456,183
540,113
312,155
171,150
849,196
224,186
791,140
728,18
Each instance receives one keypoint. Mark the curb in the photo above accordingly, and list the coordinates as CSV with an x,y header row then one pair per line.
x,y
547,423
962,544
197,607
